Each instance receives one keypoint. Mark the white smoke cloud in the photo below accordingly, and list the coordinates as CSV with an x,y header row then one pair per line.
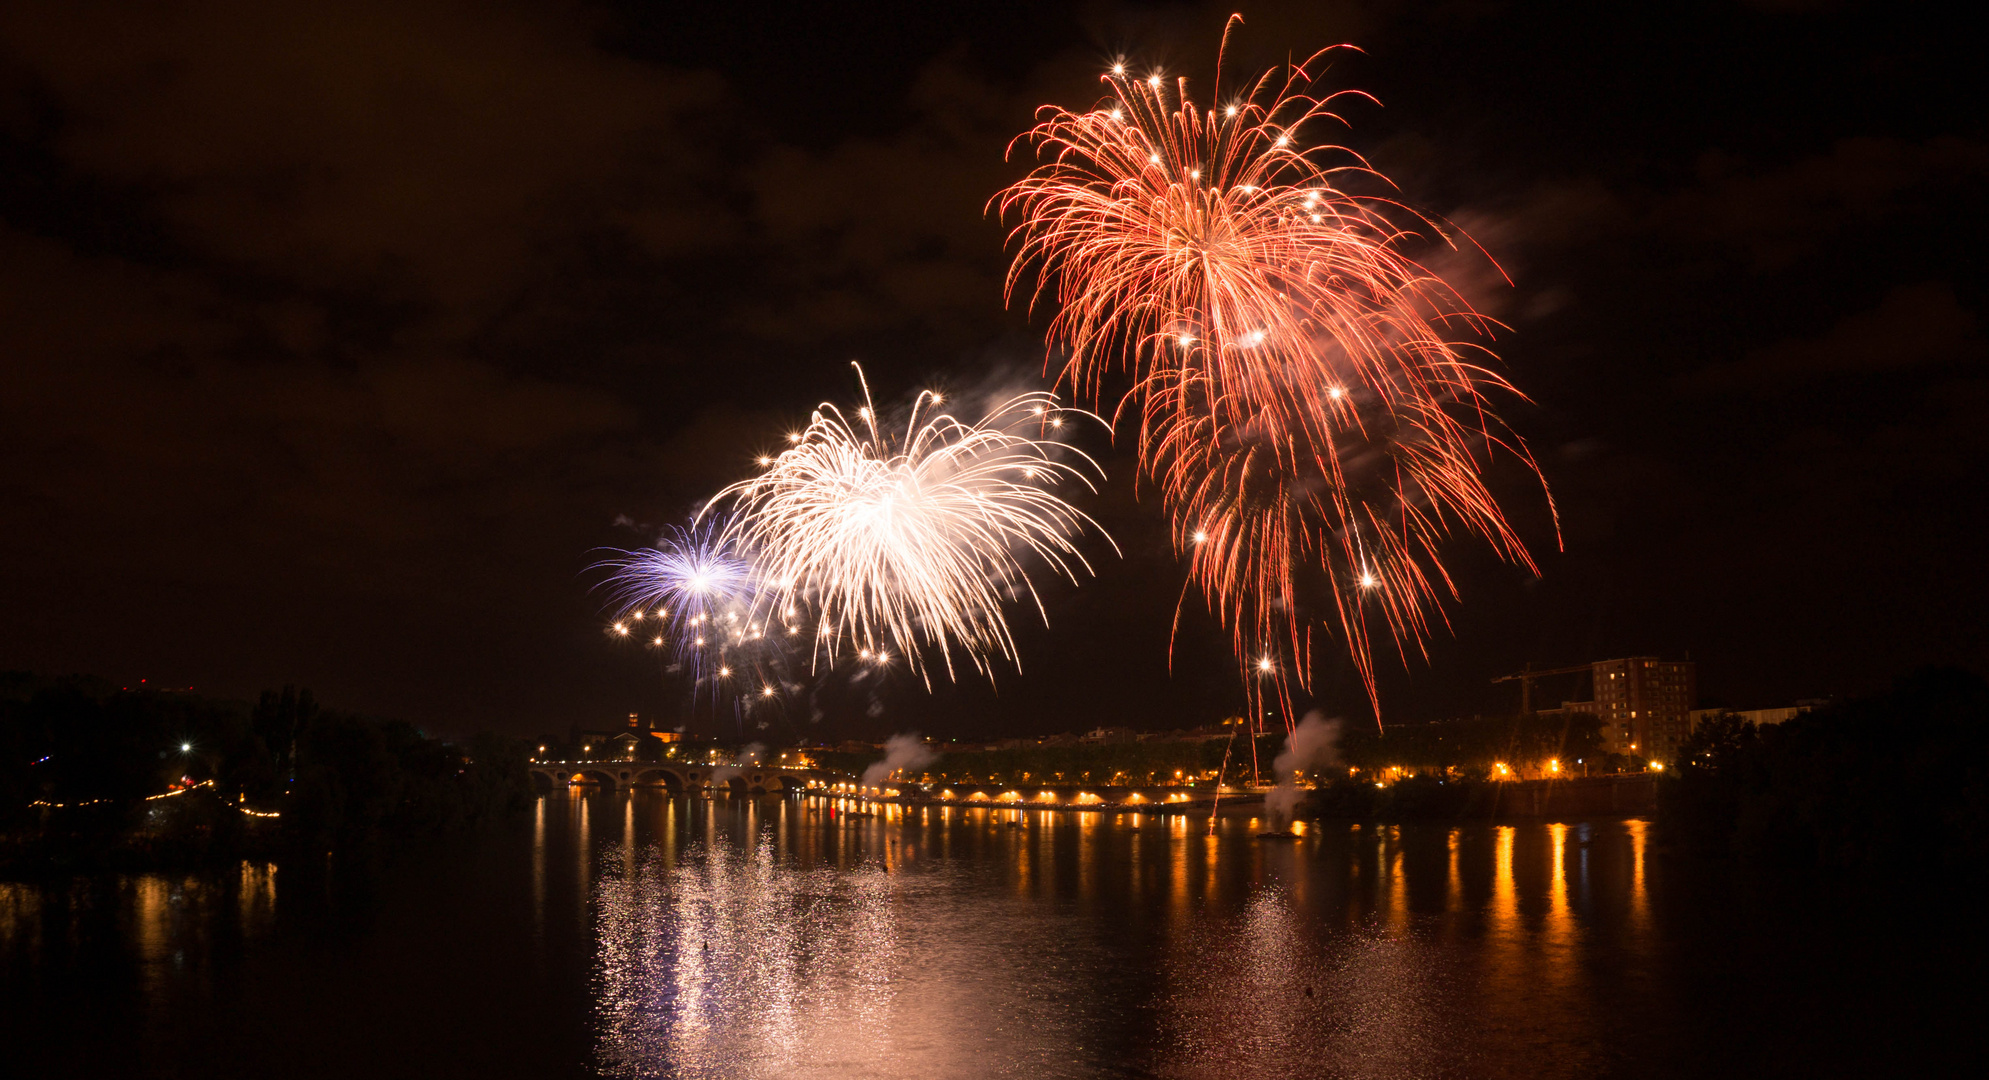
x,y
906,751
750,755
1313,743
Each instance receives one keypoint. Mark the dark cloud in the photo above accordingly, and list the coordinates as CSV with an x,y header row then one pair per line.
x,y
274,429
1912,325
885,232
1778,215
426,150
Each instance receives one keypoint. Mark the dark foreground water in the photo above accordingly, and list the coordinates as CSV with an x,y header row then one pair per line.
x,y
649,936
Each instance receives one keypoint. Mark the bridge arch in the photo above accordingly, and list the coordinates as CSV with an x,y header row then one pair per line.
x,y
617,776
671,780
603,778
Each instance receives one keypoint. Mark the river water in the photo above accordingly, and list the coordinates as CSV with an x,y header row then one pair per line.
x,y
646,935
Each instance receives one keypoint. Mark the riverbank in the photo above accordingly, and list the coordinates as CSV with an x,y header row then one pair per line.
x,y
1411,799
98,778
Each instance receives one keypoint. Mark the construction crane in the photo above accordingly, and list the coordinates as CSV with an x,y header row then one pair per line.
x,y
1527,674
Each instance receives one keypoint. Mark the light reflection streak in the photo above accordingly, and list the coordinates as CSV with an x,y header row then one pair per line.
x,y
539,870
1211,849
1510,953
1043,852
1561,942
152,932
1505,892
1639,899
20,920
583,852
255,899
1177,834
628,832
1557,884
1398,882
1453,893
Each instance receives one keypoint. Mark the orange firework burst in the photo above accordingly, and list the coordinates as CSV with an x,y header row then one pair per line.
x,y
1303,401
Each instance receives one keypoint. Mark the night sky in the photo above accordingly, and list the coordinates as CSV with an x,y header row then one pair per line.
x,y
336,338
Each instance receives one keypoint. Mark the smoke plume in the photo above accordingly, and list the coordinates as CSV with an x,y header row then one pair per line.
x,y
1314,742
906,751
749,755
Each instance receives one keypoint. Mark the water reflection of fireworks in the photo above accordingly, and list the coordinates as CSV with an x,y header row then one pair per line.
x,y
728,964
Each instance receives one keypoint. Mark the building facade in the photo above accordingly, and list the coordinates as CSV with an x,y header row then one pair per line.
x,y
1645,704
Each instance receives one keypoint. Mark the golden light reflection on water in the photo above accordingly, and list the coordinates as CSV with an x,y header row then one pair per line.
x,y
776,937
1505,891
581,808
1640,903
152,898
20,920
1559,938
1453,884
1177,862
255,894
1557,880
932,939
1398,882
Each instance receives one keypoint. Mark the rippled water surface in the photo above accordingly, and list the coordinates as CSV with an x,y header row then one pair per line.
x,y
644,935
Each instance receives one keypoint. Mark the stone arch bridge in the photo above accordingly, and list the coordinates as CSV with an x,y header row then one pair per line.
x,y
671,776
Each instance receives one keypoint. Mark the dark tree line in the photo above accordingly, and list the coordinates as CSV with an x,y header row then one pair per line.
x,y
1471,747
83,766
1897,779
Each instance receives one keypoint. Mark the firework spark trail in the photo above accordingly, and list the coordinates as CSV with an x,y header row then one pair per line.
x,y
1300,400
915,543
694,594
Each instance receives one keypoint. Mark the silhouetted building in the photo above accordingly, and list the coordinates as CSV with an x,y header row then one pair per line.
x,y
597,744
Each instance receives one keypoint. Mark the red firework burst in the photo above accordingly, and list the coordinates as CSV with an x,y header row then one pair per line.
x,y
1312,402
